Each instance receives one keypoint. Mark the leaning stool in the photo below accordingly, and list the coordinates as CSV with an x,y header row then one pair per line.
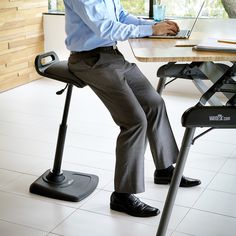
x,y
55,183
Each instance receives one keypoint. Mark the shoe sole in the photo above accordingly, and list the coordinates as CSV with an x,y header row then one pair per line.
x,y
165,182
158,181
120,209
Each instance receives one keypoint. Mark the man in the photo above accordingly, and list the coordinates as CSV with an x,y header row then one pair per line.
x,y
93,28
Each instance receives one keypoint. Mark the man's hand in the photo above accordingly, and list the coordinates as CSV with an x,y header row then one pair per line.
x,y
165,28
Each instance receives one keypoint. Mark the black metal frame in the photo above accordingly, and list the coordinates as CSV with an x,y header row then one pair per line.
x,y
221,116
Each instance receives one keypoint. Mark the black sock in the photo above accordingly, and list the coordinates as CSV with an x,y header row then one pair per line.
x,y
165,172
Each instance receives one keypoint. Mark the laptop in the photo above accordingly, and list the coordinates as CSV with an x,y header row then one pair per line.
x,y
182,34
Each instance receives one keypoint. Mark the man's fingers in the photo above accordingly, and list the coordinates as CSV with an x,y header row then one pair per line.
x,y
165,27
171,32
172,26
172,29
173,23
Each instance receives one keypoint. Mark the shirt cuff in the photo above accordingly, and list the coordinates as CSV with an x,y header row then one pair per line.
x,y
145,30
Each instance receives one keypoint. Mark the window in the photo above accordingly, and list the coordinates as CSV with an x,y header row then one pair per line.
x,y
136,7
180,8
56,6
188,8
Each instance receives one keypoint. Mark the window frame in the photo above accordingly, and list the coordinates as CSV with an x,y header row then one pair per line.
x,y
150,8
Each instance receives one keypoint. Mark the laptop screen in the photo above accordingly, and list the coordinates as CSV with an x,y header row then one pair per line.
x,y
197,17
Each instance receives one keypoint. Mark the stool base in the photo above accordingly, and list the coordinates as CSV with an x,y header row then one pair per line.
x,y
74,187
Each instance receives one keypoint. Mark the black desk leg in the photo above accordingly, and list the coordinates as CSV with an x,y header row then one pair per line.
x,y
161,84
179,168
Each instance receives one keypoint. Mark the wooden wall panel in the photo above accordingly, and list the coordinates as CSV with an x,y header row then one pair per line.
x,y
21,39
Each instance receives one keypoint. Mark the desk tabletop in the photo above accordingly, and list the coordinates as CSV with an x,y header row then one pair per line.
x,y
165,50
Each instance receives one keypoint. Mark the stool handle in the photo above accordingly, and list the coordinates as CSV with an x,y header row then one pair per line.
x,y
41,64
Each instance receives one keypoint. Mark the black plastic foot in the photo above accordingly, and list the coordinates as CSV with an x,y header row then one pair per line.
x,y
74,186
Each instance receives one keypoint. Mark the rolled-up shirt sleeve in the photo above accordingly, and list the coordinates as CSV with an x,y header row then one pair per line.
x,y
145,26
97,18
128,18
145,30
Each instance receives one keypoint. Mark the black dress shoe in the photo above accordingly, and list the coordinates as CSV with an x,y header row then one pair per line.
x,y
185,181
132,206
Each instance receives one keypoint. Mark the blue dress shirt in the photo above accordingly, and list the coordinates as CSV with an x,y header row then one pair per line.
x,y
100,23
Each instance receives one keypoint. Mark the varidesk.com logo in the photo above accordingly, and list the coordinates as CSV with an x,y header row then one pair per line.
x,y
219,117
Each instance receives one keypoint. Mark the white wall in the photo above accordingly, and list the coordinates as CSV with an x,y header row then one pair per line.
x,y
54,35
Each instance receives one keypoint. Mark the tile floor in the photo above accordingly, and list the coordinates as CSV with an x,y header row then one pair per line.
x,y
29,121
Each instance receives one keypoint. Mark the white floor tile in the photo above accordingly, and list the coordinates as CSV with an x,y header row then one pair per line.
x,y
29,131
217,202
229,167
199,223
205,161
27,146
6,177
53,234
180,234
185,197
89,142
213,148
9,229
31,212
21,163
95,129
222,135
89,224
100,160
233,154
224,183
34,120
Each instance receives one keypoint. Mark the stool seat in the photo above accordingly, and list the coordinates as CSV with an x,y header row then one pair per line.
x,y
55,69
60,71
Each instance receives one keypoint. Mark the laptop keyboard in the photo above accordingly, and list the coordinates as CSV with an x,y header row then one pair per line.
x,y
182,33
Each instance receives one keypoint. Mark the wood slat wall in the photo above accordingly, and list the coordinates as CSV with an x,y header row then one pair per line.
x,y
21,39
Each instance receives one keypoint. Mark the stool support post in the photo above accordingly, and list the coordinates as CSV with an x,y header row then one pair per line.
x,y
56,170
54,183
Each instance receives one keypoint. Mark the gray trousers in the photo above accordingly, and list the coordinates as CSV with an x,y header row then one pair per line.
x,y
135,107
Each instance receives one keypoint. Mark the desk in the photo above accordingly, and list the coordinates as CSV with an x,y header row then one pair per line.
x,y
197,66
163,50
